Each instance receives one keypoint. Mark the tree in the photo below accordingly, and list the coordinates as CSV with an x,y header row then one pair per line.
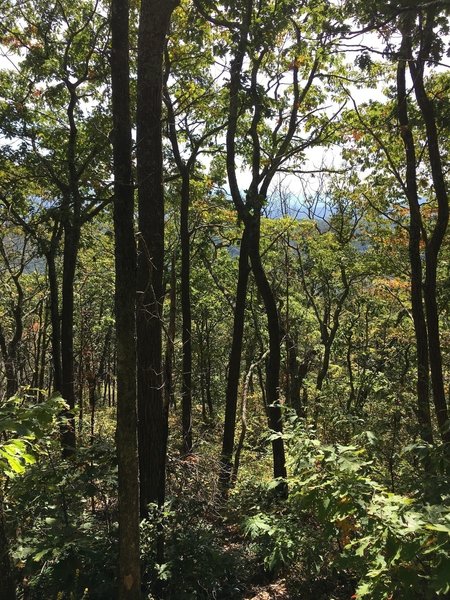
x,y
264,130
189,117
420,29
329,266
428,49
64,50
12,270
125,305
154,21
415,235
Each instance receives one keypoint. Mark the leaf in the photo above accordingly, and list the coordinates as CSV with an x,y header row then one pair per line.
x,y
14,463
363,590
441,582
39,555
438,527
257,525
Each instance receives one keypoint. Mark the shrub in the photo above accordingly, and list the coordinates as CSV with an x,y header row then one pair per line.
x,y
339,518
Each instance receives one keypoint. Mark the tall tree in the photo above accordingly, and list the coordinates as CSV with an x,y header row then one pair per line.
x,y
264,131
63,49
125,305
14,267
154,22
430,49
415,237
191,117
234,364
421,28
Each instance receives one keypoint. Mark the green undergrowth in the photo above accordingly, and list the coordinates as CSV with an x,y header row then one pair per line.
x,y
342,528
341,532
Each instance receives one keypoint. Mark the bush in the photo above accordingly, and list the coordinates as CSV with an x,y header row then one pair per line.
x,y
339,520
64,514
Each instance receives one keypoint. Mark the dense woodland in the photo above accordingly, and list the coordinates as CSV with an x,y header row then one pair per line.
x,y
224,299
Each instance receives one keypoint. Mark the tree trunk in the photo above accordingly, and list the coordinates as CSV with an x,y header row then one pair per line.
x,y
274,359
234,365
186,383
38,347
297,373
153,24
208,367
125,304
9,348
415,228
240,444
71,242
9,362
55,321
433,245
43,356
170,346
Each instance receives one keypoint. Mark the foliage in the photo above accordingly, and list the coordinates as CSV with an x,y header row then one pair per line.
x,y
22,424
65,514
268,90
62,546
196,563
337,512
201,560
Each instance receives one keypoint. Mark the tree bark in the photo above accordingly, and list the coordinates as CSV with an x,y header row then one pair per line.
x,y
234,365
125,304
250,213
170,346
9,348
240,445
55,320
71,242
9,362
415,236
185,284
436,239
153,25
274,358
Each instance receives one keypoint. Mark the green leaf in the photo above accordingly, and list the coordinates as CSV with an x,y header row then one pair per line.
x,y
39,555
438,527
363,590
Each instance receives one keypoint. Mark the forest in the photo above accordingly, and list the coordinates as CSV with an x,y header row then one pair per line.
x,y
224,299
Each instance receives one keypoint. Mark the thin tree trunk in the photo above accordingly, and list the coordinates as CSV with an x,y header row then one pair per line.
x,y
234,365
55,321
80,393
45,342
92,401
208,366
9,362
274,359
170,345
71,241
245,390
186,383
434,243
415,228
201,369
38,347
297,373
